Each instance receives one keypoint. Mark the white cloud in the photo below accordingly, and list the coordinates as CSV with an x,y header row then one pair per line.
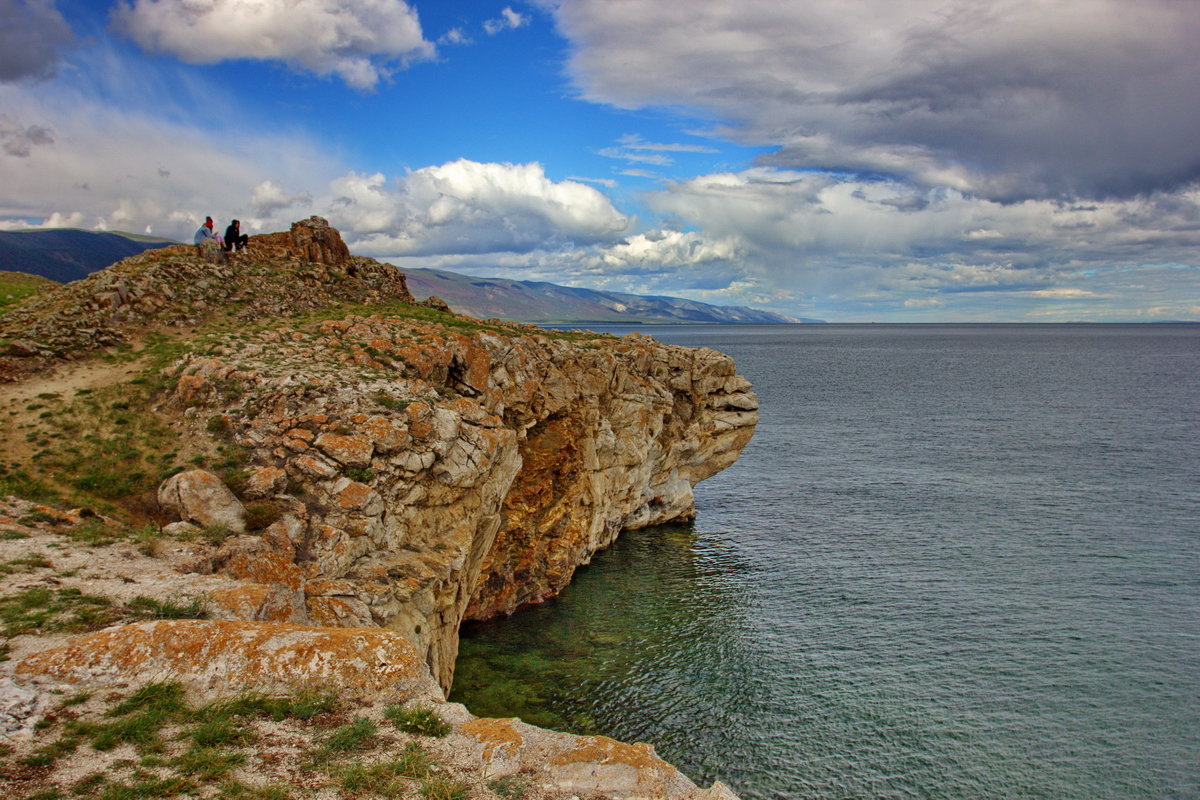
x,y
31,34
471,207
632,141
110,168
269,197
508,20
454,36
1008,99
657,159
357,40
815,244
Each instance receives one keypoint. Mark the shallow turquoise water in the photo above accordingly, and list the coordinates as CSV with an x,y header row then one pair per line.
x,y
955,562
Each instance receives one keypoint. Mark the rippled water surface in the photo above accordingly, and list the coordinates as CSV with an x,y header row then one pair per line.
x,y
954,562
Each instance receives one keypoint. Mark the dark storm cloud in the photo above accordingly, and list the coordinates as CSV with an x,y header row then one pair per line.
x,y
31,33
1008,100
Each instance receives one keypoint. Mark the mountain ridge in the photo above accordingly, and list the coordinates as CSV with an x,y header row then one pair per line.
x,y
543,302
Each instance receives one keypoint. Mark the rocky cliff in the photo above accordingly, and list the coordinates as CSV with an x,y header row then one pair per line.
x,y
404,468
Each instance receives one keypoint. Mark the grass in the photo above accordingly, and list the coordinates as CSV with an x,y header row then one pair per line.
x,y
510,787
16,286
384,777
439,787
358,736
419,721
150,608
41,610
303,706
207,763
194,751
25,564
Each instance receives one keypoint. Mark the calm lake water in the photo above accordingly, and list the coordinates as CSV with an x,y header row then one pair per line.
x,y
954,562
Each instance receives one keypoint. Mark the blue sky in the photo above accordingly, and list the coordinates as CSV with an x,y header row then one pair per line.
x,y
860,160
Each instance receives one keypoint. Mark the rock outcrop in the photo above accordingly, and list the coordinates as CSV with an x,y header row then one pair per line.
x,y
406,469
216,660
440,474
279,275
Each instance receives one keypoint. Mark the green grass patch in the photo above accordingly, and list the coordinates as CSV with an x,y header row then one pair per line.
x,y
358,736
220,731
439,787
150,608
207,763
41,610
25,564
303,706
234,790
510,787
419,721
384,777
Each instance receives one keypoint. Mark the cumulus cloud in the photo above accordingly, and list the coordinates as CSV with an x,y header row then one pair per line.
x,y
31,35
471,207
269,197
507,20
1006,99
361,41
882,245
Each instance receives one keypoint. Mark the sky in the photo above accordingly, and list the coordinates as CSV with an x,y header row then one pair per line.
x,y
848,160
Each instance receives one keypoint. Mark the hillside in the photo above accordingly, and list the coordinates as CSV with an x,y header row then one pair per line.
x,y
547,303
68,254
16,286
280,484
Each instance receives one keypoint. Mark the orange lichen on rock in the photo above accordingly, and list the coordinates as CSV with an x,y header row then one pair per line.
x,y
498,736
232,654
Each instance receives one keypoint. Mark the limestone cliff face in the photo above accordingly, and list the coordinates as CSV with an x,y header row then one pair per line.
x,y
427,468
434,473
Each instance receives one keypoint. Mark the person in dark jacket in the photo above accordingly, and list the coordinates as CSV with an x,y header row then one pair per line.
x,y
234,238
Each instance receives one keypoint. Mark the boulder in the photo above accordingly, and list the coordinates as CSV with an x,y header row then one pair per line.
x,y
582,765
202,498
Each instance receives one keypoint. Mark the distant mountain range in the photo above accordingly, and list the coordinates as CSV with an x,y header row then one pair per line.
x,y
68,254
537,301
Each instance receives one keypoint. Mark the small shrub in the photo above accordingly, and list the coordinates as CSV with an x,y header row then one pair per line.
x,y
217,425
360,474
420,721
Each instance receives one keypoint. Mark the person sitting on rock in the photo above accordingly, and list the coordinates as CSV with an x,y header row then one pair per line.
x,y
234,238
204,234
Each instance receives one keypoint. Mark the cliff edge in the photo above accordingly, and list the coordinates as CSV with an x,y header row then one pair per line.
x,y
383,464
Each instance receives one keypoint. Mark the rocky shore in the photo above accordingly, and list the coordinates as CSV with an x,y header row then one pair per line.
x,y
389,470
